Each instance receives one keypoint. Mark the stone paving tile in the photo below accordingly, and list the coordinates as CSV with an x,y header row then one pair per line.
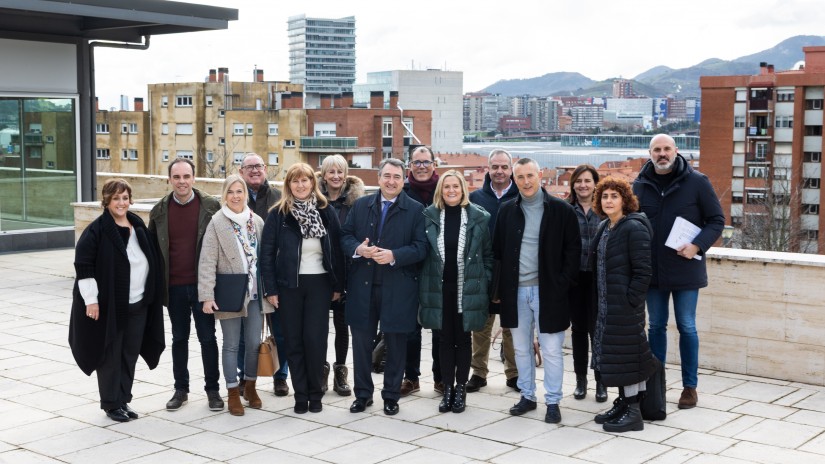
x,y
765,454
752,378
814,418
113,452
319,440
758,391
815,402
21,455
769,411
621,450
566,441
524,455
674,456
170,455
39,430
426,455
464,445
367,451
712,401
700,442
699,419
215,446
816,445
795,397
714,384
736,426
73,441
270,455
714,459
280,428
401,431
778,433
509,430
470,419
155,429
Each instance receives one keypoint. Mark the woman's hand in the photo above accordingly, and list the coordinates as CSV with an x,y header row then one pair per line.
x,y
209,307
273,300
336,296
93,311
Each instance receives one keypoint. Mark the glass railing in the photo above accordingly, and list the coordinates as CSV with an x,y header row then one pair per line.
x,y
337,143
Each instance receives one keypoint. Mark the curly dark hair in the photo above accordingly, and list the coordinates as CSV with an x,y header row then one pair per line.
x,y
630,204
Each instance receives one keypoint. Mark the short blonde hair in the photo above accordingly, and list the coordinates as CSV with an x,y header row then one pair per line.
x,y
228,182
438,195
334,161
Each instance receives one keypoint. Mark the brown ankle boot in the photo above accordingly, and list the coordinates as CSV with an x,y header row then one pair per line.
x,y
251,395
235,406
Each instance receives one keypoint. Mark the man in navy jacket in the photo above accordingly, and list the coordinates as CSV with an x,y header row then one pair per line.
x,y
667,188
384,235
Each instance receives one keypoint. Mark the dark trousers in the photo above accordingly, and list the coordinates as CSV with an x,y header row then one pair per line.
x,y
362,345
116,373
280,345
456,348
183,308
412,367
304,316
583,311
341,331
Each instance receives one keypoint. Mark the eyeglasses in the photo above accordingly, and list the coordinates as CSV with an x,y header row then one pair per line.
x,y
424,164
254,167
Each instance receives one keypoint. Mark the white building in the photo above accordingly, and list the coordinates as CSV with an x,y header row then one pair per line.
x,y
438,91
322,54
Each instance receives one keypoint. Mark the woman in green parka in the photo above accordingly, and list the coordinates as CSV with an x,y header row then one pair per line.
x,y
454,281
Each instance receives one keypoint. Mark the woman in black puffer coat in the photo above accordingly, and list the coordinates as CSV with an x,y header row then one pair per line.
x,y
621,353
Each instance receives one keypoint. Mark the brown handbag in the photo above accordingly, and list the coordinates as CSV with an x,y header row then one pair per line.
x,y
268,362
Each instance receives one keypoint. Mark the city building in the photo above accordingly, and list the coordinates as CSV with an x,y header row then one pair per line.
x,y
322,53
47,114
437,91
762,140
623,88
122,140
586,117
544,114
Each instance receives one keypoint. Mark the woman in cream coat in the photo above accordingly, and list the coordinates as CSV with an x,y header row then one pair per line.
x,y
230,246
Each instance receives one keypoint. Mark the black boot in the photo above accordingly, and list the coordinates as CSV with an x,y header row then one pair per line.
x,y
629,420
619,406
460,398
581,387
446,403
339,380
601,392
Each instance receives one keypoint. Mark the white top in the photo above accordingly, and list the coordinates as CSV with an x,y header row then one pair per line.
x,y
312,257
138,273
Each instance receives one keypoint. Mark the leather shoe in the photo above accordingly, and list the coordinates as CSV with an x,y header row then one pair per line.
x,y
118,415
513,383
280,387
475,383
315,406
178,399
439,387
522,407
301,407
129,411
581,387
390,407
360,404
553,415
601,392
688,399
409,386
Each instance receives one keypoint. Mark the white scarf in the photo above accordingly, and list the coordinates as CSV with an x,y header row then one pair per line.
x,y
248,241
462,239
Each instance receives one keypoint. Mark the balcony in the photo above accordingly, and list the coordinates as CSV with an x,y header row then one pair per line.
x,y
329,144
758,132
760,157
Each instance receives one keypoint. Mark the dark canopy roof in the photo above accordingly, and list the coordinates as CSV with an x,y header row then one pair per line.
x,y
117,20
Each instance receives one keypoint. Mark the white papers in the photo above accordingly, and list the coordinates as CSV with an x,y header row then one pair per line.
x,y
682,233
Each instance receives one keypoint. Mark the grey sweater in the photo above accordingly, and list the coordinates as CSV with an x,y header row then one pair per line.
x,y
528,260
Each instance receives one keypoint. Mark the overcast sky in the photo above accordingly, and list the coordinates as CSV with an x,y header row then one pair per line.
x,y
487,41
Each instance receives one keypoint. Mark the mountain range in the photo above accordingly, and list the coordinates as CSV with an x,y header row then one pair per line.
x,y
661,80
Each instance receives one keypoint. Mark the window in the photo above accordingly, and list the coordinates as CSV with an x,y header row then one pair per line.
x,y
133,128
237,157
208,100
289,143
784,95
736,221
164,129
756,197
741,95
813,130
249,129
756,172
811,234
324,129
209,129
164,101
124,154
386,129
124,128
130,154
736,197
164,155
102,154
237,129
810,209
812,156
221,113
738,121
273,129
761,151
221,141
210,157
784,121
183,129
780,173
815,104
273,159
183,100
185,154
102,128
133,154
810,183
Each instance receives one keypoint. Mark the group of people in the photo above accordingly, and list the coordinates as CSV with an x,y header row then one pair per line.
x,y
422,252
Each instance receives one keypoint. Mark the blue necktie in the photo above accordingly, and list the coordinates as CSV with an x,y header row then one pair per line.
x,y
384,210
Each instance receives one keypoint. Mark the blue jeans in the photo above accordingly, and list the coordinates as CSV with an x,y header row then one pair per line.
x,y
233,330
684,308
183,307
551,350
280,344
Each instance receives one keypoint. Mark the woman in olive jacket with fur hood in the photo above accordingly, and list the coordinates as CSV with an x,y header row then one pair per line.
x,y
453,288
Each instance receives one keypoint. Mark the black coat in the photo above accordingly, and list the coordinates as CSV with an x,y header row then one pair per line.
x,y
625,357
487,199
266,196
404,234
280,256
559,254
101,254
692,197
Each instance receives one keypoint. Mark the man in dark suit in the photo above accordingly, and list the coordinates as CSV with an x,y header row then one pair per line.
x,y
384,235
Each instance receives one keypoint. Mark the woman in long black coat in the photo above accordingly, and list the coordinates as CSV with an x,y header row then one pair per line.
x,y
117,300
621,354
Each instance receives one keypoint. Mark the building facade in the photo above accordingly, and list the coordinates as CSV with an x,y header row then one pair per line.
x,y
762,148
322,53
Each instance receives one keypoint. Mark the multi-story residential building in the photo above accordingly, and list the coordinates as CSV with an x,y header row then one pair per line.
x,y
432,89
623,88
122,140
544,114
762,149
482,111
587,117
322,54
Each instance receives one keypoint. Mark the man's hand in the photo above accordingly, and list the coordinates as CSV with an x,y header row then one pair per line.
x,y
383,256
364,250
687,251
209,307
273,300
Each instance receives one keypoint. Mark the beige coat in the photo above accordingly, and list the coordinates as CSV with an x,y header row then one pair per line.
x,y
220,255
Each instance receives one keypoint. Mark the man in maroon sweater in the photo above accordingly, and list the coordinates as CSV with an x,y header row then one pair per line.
x,y
179,220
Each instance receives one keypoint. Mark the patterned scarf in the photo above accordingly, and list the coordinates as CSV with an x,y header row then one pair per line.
x,y
462,239
308,217
248,240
